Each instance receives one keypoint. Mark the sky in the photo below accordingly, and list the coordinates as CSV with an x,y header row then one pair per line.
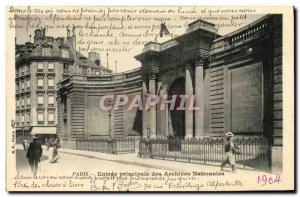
x,y
176,23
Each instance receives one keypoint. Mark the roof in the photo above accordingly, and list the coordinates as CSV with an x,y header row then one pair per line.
x,y
82,60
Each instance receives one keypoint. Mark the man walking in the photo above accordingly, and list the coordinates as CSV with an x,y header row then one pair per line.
x,y
34,154
229,149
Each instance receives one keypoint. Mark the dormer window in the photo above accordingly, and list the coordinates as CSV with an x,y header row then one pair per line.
x,y
82,58
65,53
46,51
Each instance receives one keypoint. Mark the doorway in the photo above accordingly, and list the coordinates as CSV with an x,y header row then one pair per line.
x,y
177,117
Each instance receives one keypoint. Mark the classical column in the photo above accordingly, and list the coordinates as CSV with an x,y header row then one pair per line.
x,y
188,94
199,100
152,113
162,114
167,121
145,111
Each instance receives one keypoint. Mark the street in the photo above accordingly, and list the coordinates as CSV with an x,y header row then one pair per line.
x,y
67,164
88,165
81,161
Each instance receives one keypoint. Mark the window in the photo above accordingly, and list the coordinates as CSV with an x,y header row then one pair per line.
x,y
50,67
40,117
51,83
28,84
65,105
22,85
23,69
40,67
22,118
40,83
51,101
65,53
97,73
40,100
51,117
66,68
18,103
18,119
28,101
28,117
17,86
46,51
22,102
27,68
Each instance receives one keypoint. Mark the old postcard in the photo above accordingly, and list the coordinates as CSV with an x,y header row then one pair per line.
x,y
103,99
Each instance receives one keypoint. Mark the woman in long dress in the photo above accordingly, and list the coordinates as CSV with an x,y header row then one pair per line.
x,y
55,155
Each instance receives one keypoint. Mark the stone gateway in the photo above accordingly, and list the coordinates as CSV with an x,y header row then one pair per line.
x,y
236,81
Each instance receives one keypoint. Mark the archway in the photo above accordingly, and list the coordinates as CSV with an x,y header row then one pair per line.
x,y
177,117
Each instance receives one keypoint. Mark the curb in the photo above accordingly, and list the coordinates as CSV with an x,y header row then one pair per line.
x,y
123,161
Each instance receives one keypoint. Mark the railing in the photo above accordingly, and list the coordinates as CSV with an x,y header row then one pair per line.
x,y
41,54
252,152
249,32
99,78
105,145
134,73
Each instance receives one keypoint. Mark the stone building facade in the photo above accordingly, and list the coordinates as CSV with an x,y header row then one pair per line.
x,y
80,115
236,80
40,65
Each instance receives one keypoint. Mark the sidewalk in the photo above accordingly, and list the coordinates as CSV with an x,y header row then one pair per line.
x,y
176,166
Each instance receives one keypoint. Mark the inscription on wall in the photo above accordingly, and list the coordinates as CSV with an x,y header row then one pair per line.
x,y
97,119
246,99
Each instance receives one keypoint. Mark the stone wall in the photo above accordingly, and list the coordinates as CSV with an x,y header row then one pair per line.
x,y
278,120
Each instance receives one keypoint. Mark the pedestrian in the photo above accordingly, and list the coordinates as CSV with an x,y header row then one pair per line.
x,y
34,154
25,144
229,150
46,141
49,143
55,155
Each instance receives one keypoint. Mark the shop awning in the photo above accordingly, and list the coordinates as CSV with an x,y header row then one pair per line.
x,y
43,130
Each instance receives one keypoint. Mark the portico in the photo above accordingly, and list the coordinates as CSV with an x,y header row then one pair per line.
x,y
163,65
189,103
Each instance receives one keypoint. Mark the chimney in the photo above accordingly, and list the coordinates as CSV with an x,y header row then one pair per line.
x,y
95,57
39,34
60,41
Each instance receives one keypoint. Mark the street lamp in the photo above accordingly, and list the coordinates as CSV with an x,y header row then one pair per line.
x,y
110,104
110,144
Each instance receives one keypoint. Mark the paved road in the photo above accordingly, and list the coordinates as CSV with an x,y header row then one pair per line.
x,y
73,163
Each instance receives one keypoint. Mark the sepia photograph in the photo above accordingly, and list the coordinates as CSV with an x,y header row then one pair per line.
x,y
150,99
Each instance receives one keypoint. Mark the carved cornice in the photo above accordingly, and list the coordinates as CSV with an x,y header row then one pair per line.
x,y
199,60
151,70
189,65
